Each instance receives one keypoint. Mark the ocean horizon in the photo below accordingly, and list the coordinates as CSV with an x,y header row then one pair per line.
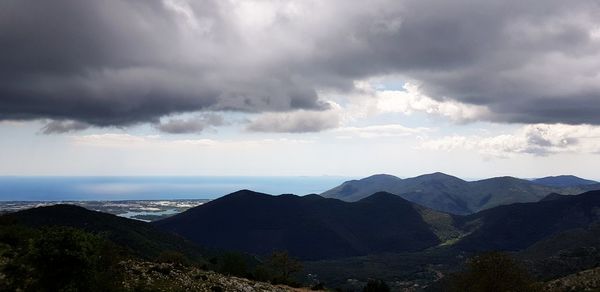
x,y
113,188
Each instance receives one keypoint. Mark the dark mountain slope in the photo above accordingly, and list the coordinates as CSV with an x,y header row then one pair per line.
x,y
138,237
309,227
564,253
517,226
450,194
563,181
552,196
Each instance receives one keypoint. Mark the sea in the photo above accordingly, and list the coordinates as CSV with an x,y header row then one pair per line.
x,y
88,188
147,198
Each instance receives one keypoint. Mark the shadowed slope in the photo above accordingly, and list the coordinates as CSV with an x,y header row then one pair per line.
x,y
518,226
309,227
139,237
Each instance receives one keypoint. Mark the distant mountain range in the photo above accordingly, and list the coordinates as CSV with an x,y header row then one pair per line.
x,y
447,193
564,181
313,227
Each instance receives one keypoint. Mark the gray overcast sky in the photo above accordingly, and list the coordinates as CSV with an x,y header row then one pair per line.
x,y
474,88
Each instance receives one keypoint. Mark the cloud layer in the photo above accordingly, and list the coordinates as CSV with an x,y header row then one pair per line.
x,y
116,63
537,139
295,122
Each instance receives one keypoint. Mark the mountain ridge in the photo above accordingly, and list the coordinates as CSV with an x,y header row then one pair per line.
x,y
451,194
318,228
564,181
312,227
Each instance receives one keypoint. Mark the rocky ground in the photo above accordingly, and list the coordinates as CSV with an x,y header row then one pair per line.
x,y
588,280
173,277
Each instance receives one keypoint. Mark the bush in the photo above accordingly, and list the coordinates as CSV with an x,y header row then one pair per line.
x,y
493,272
58,259
233,264
280,268
376,286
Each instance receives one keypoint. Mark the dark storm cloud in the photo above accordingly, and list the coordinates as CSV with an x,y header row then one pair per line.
x,y
58,127
124,62
190,125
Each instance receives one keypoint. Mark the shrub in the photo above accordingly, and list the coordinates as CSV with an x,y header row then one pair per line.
x,y
376,286
493,272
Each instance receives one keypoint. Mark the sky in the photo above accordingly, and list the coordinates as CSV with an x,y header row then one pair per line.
x,y
300,88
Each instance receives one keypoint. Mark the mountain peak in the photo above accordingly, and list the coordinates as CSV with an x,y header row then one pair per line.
x,y
563,181
438,176
245,192
380,176
240,195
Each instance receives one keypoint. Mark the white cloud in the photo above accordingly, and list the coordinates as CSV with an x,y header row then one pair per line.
x,y
411,99
537,139
115,140
370,98
379,131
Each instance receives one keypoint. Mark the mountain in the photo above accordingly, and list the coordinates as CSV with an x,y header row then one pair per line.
x,y
437,189
447,193
139,238
313,227
552,196
563,181
309,227
564,253
355,190
69,248
518,226
557,250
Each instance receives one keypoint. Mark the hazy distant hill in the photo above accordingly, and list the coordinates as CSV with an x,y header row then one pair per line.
x,y
309,227
563,181
447,193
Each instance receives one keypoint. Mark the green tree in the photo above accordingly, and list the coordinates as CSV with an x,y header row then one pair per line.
x,y
58,259
283,267
493,272
376,286
234,264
